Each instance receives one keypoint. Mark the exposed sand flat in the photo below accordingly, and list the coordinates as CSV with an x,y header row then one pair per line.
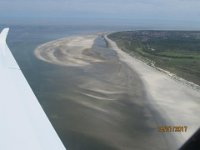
x,y
118,101
99,104
67,51
178,103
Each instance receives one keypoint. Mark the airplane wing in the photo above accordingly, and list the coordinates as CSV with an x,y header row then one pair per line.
x,y
23,124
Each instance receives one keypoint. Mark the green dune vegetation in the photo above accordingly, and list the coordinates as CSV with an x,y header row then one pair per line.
x,y
175,51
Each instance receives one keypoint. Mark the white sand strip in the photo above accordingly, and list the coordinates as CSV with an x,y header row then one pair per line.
x,y
98,97
178,103
106,92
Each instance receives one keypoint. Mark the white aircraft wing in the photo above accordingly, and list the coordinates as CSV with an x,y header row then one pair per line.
x,y
23,123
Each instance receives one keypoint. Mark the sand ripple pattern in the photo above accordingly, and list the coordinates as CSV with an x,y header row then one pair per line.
x,y
68,51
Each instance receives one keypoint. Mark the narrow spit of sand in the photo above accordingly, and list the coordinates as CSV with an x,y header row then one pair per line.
x,y
178,103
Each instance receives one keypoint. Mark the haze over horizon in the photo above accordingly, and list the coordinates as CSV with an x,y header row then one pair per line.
x,y
151,13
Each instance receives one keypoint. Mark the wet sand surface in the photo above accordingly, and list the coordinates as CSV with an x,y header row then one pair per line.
x,y
99,101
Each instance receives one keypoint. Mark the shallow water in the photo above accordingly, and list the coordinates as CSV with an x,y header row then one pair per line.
x,y
100,106
104,104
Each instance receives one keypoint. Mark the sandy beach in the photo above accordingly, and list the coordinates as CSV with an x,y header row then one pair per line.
x,y
114,101
177,102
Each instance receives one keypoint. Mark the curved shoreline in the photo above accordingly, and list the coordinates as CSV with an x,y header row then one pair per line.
x,y
99,86
110,95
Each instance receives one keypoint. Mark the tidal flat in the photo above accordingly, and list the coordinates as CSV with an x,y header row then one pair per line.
x,y
98,104
108,100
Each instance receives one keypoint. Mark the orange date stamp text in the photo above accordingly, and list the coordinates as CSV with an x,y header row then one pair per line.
x,y
172,128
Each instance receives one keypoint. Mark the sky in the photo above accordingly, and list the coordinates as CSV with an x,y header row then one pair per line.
x,y
185,13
